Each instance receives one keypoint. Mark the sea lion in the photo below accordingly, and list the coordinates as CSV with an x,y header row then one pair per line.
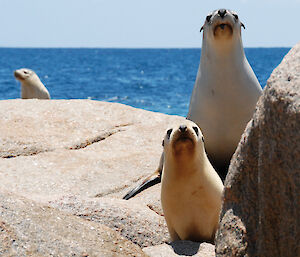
x,y
226,89
32,87
191,190
224,95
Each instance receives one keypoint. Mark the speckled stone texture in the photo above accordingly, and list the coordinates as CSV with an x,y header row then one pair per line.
x,y
260,214
31,229
76,159
134,221
181,248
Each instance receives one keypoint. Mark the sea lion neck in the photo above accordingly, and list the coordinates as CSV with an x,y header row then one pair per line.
x,y
213,51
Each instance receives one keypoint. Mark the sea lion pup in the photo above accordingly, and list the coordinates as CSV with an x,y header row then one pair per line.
x,y
31,85
225,92
191,189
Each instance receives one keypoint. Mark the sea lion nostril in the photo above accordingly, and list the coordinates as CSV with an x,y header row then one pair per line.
x,y
182,128
222,12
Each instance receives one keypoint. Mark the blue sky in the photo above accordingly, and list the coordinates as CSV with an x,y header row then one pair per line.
x,y
140,23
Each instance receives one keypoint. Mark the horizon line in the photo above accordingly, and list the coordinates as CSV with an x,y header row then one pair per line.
x,y
134,47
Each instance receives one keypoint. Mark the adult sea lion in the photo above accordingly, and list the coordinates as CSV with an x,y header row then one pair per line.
x,y
31,85
226,89
225,92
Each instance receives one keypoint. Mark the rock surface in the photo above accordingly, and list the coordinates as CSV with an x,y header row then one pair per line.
x,y
75,159
30,229
181,248
85,148
260,214
132,220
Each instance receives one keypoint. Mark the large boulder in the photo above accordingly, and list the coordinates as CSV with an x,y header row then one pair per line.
x,y
55,148
75,160
31,229
261,209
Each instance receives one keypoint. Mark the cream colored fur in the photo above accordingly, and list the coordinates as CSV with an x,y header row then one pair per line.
x,y
31,85
191,190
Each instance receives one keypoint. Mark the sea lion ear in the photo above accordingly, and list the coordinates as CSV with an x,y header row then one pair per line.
x,y
242,25
201,28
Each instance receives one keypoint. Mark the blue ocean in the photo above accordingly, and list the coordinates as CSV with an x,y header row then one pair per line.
x,y
159,80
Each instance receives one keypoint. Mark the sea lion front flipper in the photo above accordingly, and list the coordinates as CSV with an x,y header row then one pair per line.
x,y
151,180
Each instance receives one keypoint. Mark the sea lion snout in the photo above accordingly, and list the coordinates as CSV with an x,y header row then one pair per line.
x,y
22,74
182,128
222,12
17,74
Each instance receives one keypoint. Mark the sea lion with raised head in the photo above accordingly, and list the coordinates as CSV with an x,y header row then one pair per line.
x,y
31,85
191,190
225,92
226,89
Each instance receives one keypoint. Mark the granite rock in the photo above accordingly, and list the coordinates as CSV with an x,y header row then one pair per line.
x,y
260,213
30,229
88,148
75,159
134,221
181,248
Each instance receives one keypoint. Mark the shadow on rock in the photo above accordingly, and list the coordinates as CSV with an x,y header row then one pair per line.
x,y
187,248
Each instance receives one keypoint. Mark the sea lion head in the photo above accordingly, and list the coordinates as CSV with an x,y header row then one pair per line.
x,y
222,25
24,74
31,85
183,140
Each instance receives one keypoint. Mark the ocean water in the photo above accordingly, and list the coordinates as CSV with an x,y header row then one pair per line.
x,y
159,80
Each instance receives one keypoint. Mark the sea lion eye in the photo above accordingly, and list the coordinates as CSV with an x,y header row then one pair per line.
x,y
196,130
163,143
235,16
26,72
169,132
208,17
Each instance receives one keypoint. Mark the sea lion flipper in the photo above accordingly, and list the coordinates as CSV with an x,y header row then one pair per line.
x,y
152,180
